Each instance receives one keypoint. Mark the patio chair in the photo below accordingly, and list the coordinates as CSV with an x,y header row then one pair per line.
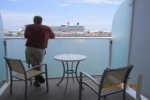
x,y
17,70
112,81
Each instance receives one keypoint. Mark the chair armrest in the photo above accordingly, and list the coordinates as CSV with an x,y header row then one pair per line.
x,y
90,77
37,66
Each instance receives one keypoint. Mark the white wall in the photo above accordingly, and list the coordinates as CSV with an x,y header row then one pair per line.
x,y
140,45
133,31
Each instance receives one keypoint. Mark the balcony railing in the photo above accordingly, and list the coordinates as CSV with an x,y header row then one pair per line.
x,y
97,50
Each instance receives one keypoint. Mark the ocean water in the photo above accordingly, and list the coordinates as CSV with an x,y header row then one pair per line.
x,y
96,50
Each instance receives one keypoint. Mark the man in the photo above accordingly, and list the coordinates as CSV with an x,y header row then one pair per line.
x,y
37,36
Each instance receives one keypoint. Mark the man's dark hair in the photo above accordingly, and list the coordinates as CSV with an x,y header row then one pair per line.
x,y
37,19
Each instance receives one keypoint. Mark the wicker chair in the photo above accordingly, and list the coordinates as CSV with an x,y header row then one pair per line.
x,y
17,70
112,81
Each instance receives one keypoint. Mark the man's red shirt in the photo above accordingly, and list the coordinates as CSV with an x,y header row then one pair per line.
x,y
37,35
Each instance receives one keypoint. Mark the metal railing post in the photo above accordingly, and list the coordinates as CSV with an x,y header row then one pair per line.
x,y
5,54
110,53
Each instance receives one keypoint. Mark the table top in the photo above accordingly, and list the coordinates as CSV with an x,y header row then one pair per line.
x,y
69,57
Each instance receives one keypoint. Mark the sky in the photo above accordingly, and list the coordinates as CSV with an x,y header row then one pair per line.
x,y
93,14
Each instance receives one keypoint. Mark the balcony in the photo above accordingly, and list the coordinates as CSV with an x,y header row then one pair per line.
x,y
98,54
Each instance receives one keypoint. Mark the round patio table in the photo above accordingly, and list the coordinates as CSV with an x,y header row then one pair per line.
x,y
70,64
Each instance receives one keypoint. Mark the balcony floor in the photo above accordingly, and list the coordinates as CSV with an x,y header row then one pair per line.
x,y
55,92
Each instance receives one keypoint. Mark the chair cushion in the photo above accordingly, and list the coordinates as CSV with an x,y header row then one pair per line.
x,y
105,90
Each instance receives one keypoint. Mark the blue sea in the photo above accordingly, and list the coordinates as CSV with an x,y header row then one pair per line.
x,y
95,49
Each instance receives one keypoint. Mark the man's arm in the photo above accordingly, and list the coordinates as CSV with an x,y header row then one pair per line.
x,y
26,32
51,34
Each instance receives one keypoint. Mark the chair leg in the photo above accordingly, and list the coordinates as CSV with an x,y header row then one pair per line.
x,y
31,81
80,87
31,78
11,84
99,97
124,94
80,91
26,84
46,77
104,97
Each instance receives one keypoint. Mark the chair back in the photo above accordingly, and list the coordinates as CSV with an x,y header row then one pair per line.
x,y
15,65
115,78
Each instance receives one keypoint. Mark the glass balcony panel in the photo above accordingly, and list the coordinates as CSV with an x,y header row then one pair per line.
x,y
96,50
2,63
